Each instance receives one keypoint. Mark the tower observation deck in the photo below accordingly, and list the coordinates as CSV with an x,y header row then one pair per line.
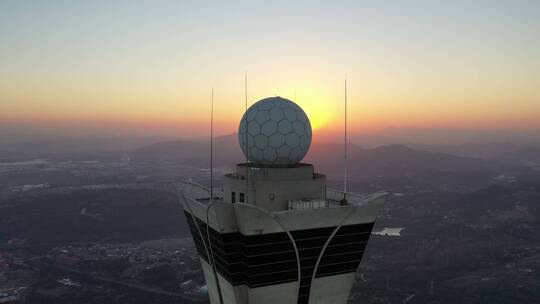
x,y
276,233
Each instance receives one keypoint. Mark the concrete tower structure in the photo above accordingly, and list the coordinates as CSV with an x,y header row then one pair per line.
x,y
275,233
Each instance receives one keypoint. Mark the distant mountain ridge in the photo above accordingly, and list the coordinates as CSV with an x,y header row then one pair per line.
x,y
390,160
501,151
52,147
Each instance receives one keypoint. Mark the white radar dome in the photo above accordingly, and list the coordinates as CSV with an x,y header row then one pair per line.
x,y
278,132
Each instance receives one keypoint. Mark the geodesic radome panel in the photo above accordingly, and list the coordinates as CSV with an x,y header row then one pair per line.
x,y
278,132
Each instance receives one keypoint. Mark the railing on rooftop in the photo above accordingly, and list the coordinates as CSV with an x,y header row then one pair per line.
x,y
197,192
194,191
307,204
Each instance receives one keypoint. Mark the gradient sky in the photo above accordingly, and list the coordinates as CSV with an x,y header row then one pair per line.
x,y
146,67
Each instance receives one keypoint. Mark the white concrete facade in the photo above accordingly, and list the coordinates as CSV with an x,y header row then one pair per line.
x,y
266,212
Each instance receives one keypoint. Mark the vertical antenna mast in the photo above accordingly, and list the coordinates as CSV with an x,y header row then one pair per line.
x,y
212,147
211,253
246,139
344,201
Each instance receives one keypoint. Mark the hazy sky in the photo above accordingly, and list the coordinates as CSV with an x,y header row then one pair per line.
x,y
148,66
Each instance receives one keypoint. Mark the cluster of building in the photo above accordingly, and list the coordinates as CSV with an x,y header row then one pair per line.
x,y
8,292
135,254
10,295
168,267
130,261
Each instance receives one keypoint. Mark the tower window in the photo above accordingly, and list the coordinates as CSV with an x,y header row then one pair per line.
x,y
242,197
233,197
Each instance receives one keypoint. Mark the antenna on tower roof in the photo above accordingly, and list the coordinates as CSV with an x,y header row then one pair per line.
x,y
246,139
344,200
212,147
211,201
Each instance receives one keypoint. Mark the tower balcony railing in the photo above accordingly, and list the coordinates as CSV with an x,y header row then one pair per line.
x,y
201,194
334,200
197,192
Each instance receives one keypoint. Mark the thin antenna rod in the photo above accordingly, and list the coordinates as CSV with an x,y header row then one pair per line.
x,y
246,139
211,257
345,149
212,147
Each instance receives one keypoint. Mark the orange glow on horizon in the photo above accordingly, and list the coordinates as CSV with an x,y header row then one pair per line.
x,y
325,124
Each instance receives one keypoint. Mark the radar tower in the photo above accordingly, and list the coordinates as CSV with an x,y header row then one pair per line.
x,y
293,241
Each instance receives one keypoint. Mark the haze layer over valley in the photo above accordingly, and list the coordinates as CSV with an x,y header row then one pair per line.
x,y
463,218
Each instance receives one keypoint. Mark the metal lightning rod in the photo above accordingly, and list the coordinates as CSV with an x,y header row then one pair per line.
x,y
212,147
211,202
345,150
246,139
